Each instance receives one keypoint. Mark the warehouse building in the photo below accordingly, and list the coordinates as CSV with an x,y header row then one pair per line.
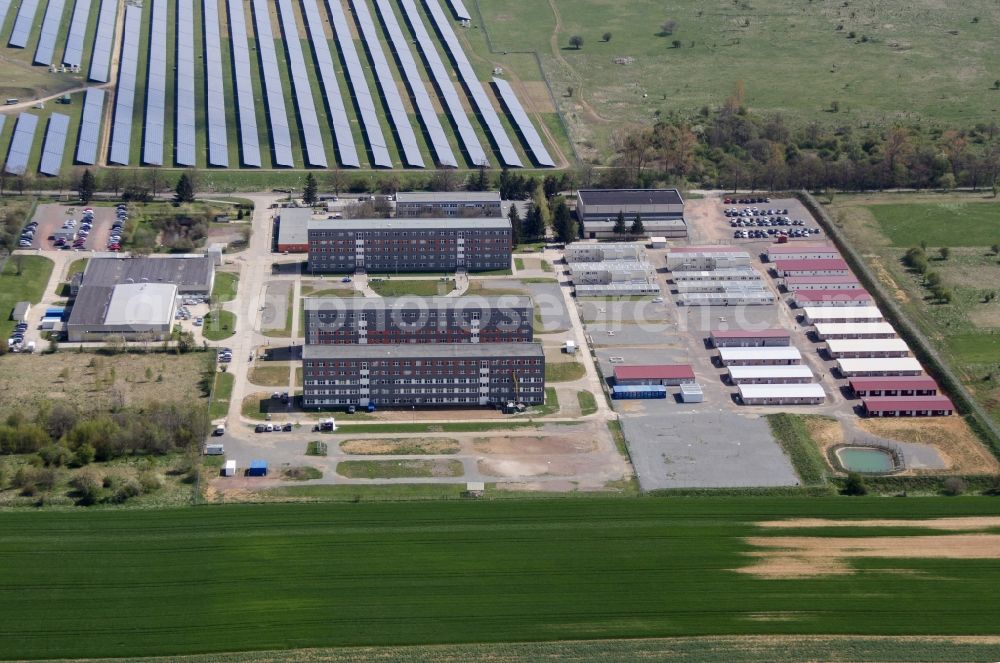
x,y
875,367
828,282
908,406
602,252
736,294
707,259
661,210
735,274
293,230
895,385
804,298
452,204
739,338
760,356
192,274
819,267
358,320
782,394
133,311
797,251
424,375
409,245
667,375
868,347
841,314
797,374
830,331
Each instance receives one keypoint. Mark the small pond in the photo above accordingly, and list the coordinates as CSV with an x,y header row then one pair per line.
x,y
865,459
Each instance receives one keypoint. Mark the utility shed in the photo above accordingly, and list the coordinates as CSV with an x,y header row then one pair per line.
x,y
894,385
838,297
764,356
20,312
869,347
816,314
795,374
229,468
828,331
692,393
781,394
908,406
661,374
851,368
738,338
811,267
258,468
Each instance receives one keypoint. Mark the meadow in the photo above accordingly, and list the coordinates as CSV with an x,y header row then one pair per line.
x,y
282,576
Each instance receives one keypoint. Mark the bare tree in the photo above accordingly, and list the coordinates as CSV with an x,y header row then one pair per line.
x,y
336,179
668,27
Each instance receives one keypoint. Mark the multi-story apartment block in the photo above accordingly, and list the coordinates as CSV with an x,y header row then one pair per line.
x,y
409,245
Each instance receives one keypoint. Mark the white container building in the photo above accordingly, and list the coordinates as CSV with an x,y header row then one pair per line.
x,y
688,261
795,251
817,314
795,374
868,347
762,356
601,252
876,367
229,468
736,274
829,331
782,394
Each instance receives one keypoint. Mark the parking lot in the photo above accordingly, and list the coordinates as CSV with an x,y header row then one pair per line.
x,y
52,218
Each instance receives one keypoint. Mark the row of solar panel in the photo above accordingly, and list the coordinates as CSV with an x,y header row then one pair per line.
x,y
100,60
55,137
245,106
55,144
184,137
121,132
156,86
313,138
73,54
50,32
218,143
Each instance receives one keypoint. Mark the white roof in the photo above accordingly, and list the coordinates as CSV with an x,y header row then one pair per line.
x,y
775,352
141,304
867,345
810,390
231,464
850,366
842,312
748,372
824,328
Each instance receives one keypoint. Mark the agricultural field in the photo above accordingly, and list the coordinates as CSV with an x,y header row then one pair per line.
x,y
966,226
502,571
363,84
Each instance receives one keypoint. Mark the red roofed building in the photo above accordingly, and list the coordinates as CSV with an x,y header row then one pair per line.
x,y
898,385
908,406
738,338
796,251
669,375
838,297
835,281
819,267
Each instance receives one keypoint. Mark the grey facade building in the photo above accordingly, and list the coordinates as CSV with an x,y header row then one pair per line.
x,y
661,210
409,245
134,311
424,375
396,320
448,204
192,274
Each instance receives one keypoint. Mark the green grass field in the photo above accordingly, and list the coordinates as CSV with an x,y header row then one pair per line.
x,y
565,371
225,286
944,224
423,288
228,578
29,286
219,325
223,391
399,469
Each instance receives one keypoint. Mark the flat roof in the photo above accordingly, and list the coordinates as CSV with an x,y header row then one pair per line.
x,y
90,305
821,279
811,264
841,312
624,388
768,352
401,223
653,372
419,350
411,302
712,248
838,345
824,328
894,382
181,271
627,265
801,248
745,333
293,225
141,304
904,364
832,295
794,371
715,274
447,196
884,403
807,390
630,196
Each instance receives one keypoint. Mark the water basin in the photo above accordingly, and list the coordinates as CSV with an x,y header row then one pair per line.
x,y
865,459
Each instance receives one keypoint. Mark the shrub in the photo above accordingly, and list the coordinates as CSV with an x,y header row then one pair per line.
x,y
854,485
953,486
54,455
150,482
84,455
128,489
87,486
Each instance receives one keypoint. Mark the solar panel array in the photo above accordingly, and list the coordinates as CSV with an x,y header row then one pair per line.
x,y
90,126
281,137
3,118
245,105
121,132
461,13
218,142
4,8
21,33
507,152
156,86
331,90
387,83
50,32
425,108
523,123
444,84
100,60
73,55
356,77
184,135
55,144
20,144
315,152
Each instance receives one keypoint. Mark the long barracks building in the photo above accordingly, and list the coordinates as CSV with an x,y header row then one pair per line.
x,y
409,245
395,320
